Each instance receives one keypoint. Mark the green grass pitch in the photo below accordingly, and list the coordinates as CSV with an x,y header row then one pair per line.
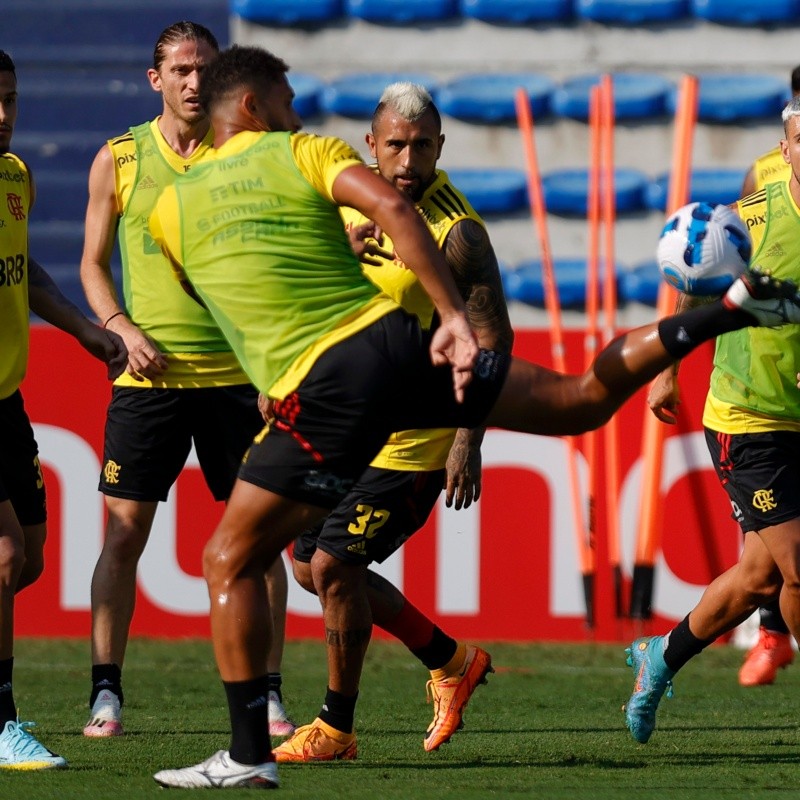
x,y
547,725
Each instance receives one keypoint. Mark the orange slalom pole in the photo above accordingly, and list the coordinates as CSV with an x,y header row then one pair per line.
x,y
611,439
552,303
650,513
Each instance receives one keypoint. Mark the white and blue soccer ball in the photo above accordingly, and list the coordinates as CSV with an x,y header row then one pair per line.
x,y
703,249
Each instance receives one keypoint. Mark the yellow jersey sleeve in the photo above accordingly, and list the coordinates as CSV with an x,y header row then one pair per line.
x,y
321,159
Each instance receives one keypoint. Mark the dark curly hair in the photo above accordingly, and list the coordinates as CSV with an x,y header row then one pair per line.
x,y
6,64
239,66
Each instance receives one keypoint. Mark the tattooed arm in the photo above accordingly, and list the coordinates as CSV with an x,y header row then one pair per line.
x,y
471,259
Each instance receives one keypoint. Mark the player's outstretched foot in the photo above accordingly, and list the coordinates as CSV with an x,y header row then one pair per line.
x,y
451,695
317,742
280,725
651,678
106,716
20,750
220,772
772,652
769,300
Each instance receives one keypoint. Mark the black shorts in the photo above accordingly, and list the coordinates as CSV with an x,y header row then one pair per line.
x,y
761,474
149,435
384,509
21,479
378,381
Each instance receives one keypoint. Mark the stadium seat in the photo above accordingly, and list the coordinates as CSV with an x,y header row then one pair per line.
x,y
117,100
61,195
307,94
709,185
402,12
745,12
525,283
632,12
57,150
565,191
518,12
640,284
636,96
281,12
492,191
731,98
357,95
490,98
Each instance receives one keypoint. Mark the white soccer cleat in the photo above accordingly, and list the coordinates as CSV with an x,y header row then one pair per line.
x,y
220,772
280,725
769,300
106,717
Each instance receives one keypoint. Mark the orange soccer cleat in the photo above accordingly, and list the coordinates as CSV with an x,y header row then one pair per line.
x,y
451,695
772,651
317,742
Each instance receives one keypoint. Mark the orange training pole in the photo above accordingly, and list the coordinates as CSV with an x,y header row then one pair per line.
x,y
552,303
650,522
611,429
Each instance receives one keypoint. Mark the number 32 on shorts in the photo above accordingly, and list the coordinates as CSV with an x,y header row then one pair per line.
x,y
368,520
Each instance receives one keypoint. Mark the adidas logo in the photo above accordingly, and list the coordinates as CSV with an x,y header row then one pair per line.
x,y
775,250
147,183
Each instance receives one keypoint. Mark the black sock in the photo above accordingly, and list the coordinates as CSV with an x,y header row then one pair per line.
x,y
438,651
339,710
770,617
106,676
681,334
248,707
274,680
682,645
8,709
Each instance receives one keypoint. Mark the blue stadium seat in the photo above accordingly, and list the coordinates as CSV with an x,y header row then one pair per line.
x,y
525,283
709,185
746,12
117,100
56,242
640,284
518,12
60,195
357,95
55,27
307,94
636,96
490,98
492,191
632,12
565,191
402,12
281,12
57,150
731,98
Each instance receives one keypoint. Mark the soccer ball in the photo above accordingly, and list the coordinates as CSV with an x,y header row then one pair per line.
x,y
703,249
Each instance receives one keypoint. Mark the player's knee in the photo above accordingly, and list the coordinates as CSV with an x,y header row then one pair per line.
x,y
12,560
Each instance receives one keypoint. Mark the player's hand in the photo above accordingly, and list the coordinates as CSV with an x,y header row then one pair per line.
x,y
366,240
454,343
108,346
664,396
463,473
266,407
145,360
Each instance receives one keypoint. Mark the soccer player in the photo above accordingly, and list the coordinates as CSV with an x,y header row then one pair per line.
x,y
25,285
773,649
183,383
752,422
256,234
396,494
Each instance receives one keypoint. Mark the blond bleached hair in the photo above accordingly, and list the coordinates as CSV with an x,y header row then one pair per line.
x,y
408,100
